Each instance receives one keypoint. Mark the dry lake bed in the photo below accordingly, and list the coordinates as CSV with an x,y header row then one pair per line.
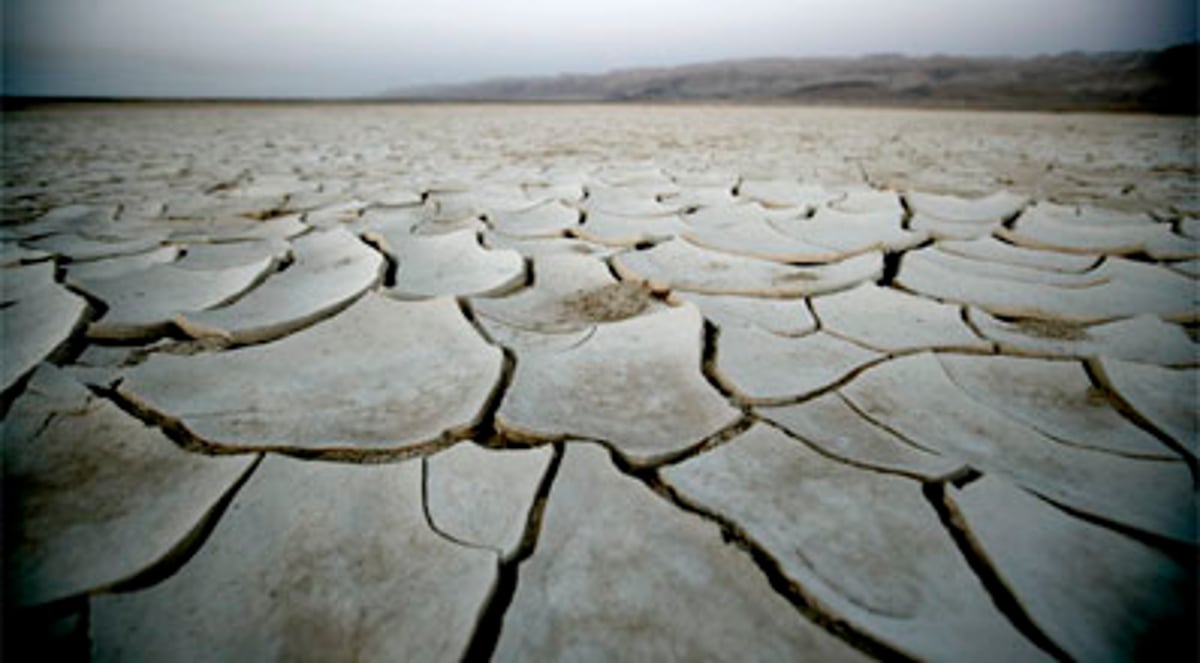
x,y
557,382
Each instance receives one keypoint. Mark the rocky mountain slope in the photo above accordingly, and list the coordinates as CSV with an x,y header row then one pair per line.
x,y
1159,81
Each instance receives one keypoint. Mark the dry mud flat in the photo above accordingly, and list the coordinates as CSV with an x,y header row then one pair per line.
x,y
446,383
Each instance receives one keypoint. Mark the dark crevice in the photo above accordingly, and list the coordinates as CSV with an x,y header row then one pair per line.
x,y
485,431
187,548
907,217
836,384
9,396
1142,257
612,269
1094,373
533,523
965,316
891,267
254,284
56,631
971,475
529,276
360,456
285,263
491,618
729,432
391,265
172,428
75,343
1010,221
812,310
958,475
1002,596
807,605
429,520
468,311
708,360
97,306
882,426
176,431
65,353
1182,552
60,263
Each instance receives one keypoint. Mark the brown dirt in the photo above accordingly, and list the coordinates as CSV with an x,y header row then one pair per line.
x,y
1052,329
615,301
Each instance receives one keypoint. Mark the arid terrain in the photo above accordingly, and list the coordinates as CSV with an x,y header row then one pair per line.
x,y
1156,81
585,382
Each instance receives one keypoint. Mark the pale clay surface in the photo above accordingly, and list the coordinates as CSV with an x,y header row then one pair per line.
x,y
555,301
993,250
1113,291
640,580
679,265
1098,611
866,545
483,497
1144,338
764,368
988,439
786,317
663,382
912,323
35,325
141,304
830,424
332,268
635,384
346,564
91,511
1164,396
454,264
1057,398
394,374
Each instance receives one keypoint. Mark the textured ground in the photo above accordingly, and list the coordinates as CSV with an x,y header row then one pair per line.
x,y
459,382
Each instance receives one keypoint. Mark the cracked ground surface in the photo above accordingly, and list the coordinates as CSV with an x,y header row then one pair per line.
x,y
355,382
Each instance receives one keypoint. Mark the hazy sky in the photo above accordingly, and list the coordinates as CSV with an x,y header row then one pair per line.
x,y
361,47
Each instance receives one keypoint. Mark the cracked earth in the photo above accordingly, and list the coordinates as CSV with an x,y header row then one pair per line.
x,y
569,382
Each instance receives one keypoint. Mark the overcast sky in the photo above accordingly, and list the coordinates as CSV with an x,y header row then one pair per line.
x,y
362,47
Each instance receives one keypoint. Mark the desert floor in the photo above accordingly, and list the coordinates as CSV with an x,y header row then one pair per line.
x,y
447,382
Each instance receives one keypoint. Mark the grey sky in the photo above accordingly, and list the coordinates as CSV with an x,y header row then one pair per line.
x,y
355,47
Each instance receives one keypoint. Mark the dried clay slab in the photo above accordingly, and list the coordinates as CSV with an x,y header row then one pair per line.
x,y
483,497
677,265
891,321
1099,595
381,375
95,497
312,560
867,547
904,395
331,269
621,574
635,384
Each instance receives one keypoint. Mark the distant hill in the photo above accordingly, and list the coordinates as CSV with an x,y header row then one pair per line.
x,y
1157,81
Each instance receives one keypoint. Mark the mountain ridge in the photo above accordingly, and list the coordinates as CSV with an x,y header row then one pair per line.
x,y
1157,81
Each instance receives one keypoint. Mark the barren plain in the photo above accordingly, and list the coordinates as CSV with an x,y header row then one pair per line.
x,y
547,382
